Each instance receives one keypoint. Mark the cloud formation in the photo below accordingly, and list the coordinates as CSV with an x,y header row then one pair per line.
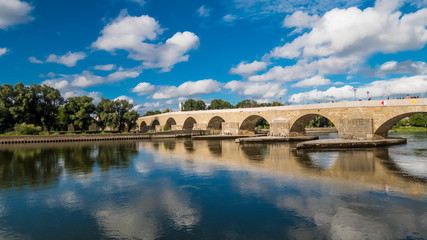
x,y
3,51
256,90
187,89
204,11
384,88
312,82
70,59
143,88
394,67
131,34
107,67
246,69
14,12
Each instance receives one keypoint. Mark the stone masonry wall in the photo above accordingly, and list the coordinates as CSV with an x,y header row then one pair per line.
x,y
356,128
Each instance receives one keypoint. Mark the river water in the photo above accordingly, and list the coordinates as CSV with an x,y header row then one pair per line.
x,y
183,189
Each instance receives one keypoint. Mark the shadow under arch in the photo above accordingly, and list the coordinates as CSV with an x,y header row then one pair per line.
x,y
154,123
143,127
250,123
171,122
298,127
215,123
189,123
387,125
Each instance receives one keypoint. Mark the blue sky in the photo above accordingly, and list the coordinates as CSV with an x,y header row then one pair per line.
x,y
156,53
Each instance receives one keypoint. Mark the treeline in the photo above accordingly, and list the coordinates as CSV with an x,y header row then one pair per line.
x,y
40,107
416,120
195,105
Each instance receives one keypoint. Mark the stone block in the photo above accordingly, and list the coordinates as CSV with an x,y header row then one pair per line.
x,y
176,127
279,127
200,126
158,128
230,128
356,128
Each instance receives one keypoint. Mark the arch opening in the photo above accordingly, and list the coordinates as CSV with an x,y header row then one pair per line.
x,y
415,119
189,123
169,123
143,127
310,121
254,123
215,123
154,123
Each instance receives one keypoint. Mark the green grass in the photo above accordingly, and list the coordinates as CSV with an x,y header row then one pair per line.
x,y
409,129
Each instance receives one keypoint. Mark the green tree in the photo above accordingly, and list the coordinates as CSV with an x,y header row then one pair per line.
x,y
130,119
248,103
275,104
149,113
157,112
192,105
6,102
166,127
167,110
107,116
62,120
220,104
418,120
121,106
49,101
79,110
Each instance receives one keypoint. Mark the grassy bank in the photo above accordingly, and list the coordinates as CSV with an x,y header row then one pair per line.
x,y
409,129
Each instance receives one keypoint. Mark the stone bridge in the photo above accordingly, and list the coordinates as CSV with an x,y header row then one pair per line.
x,y
361,120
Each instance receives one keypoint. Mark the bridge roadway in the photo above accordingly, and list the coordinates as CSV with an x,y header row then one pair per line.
x,y
361,120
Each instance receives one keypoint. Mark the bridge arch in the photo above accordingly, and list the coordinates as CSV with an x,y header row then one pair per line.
x,y
189,123
142,125
388,124
170,122
249,124
215,123
298,127
154,123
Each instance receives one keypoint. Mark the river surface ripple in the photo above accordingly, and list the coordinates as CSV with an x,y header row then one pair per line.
x,y
183,189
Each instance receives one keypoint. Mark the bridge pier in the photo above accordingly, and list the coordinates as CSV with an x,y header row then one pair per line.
x,y
176,127
200,126
280,127
230,128
356,128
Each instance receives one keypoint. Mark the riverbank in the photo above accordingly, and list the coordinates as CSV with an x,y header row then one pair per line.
x,y
96,137
408,129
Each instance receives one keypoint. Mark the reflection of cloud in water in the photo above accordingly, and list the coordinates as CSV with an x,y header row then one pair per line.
x,y
155,207
323,160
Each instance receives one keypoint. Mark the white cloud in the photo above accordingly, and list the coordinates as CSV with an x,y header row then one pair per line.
x,y
245,68
203,11
70,59
394,87
130,33
305,69
86,79
107,67
3,51
256,90
312,82
123,97
393,67
143,88
140,2
14,12
341,40
348,31
188,89
35,60
300,20
229,18
123,74
57,83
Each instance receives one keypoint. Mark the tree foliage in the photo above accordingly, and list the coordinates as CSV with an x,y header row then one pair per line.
x,y
192,105
78,111
248,103
220,104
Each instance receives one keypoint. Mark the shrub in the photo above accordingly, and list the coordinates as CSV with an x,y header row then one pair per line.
x,y
27,129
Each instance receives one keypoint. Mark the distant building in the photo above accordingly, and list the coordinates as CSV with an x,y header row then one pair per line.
x,y
180,106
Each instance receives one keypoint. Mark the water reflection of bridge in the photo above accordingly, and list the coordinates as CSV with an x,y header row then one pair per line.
x,y
369,169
